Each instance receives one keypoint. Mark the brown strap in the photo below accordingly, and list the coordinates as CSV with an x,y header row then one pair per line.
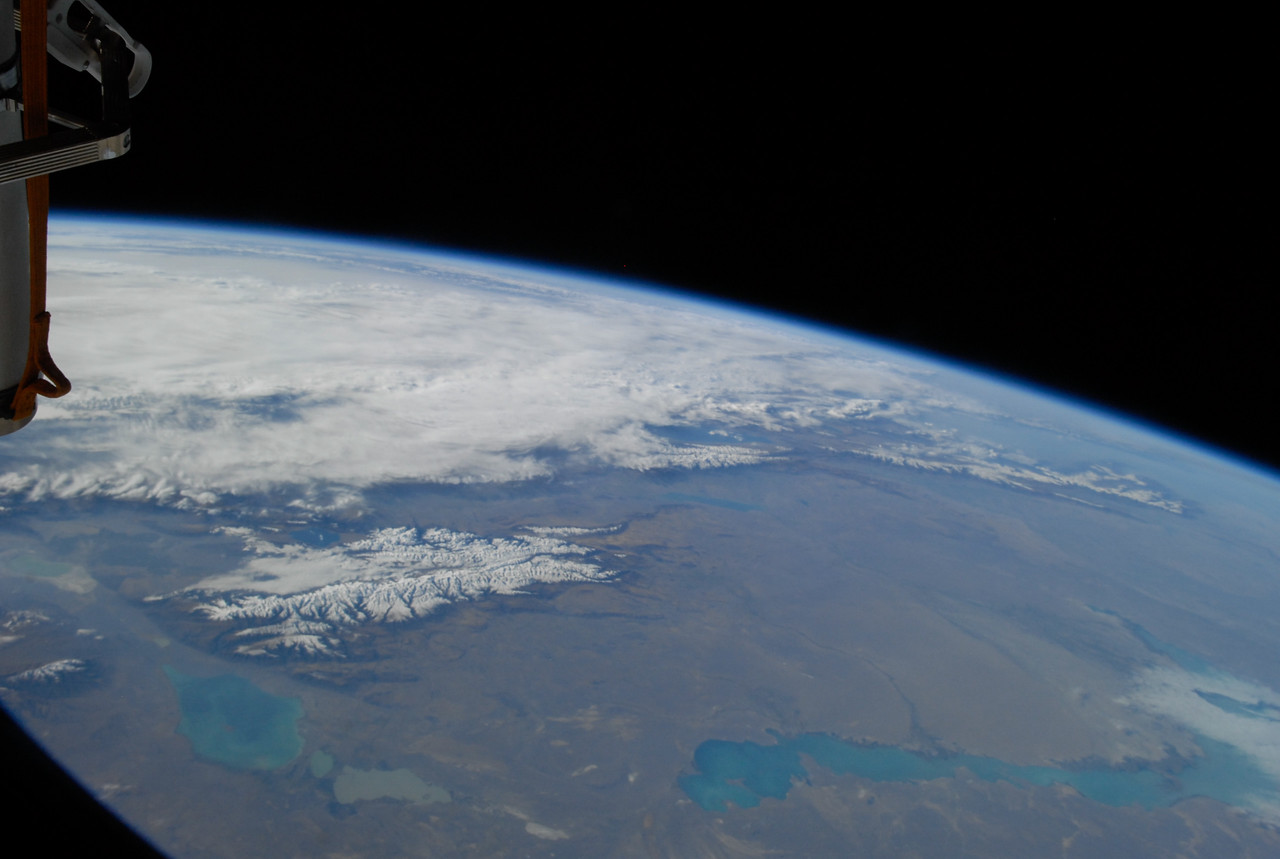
x,y
35,123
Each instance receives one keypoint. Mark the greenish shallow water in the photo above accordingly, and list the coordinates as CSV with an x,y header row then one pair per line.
x,y
32,565
744,773
353,785
232,722
321,763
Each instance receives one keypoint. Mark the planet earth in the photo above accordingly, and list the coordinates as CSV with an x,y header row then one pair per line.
x,y
352,548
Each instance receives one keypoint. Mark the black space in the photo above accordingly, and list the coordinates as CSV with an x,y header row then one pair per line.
x,y
1089,218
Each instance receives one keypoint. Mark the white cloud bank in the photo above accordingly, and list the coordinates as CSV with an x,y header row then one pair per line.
x,y
1246,717
210,366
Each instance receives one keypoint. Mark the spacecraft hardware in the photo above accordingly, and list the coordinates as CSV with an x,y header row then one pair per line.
x,y
81,35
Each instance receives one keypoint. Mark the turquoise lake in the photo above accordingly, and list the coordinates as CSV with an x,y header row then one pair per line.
x,y
232,722
745,773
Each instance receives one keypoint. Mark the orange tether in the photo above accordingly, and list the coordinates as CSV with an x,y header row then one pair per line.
x,y
35,123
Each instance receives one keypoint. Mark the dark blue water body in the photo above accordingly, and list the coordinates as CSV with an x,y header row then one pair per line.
x,y
1255,710
232,722
745,773
1184,659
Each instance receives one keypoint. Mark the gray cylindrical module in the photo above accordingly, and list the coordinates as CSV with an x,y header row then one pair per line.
x,y
15,264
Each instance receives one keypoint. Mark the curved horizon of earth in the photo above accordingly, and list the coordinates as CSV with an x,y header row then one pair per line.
x,y
344,545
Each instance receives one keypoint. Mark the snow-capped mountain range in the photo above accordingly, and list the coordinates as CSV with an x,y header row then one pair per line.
x,y
293,598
